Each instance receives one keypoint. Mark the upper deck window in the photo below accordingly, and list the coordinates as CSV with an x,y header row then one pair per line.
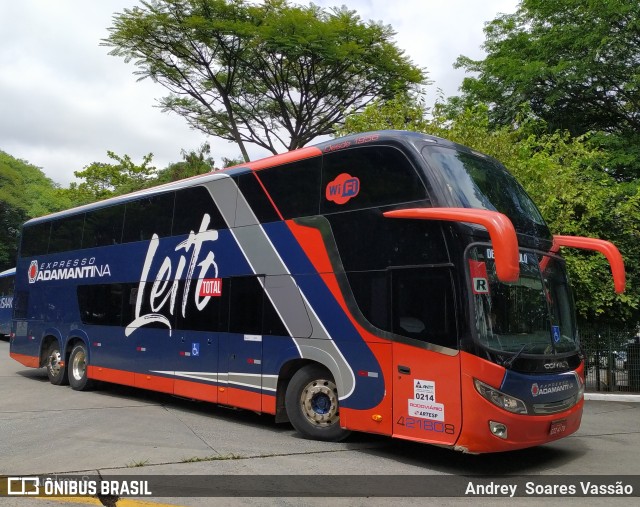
x,y
367,177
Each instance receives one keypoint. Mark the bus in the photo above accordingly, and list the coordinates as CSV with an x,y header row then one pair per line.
x,y
6,300
389,282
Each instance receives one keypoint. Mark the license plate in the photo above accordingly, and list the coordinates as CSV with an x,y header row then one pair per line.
x,y
558,427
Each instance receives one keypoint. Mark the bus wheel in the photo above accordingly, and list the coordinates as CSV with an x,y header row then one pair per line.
x,y
78,379
56,369
312,404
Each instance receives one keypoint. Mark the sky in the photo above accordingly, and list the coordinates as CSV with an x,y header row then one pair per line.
x,y
64,101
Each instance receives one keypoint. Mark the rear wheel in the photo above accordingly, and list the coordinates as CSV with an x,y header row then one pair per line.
x,y
312,404
54,362
78,363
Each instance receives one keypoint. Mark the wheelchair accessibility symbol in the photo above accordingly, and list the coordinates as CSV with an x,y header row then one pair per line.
x,y
195,349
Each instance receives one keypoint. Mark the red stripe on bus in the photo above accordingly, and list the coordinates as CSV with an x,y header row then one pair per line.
x,y
196,390
284,158
30,361
268,196
110,375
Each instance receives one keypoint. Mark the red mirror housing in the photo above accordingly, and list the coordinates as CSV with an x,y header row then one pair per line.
x,y
606,248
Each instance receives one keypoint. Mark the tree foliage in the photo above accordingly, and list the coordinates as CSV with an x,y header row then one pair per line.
x,y
25,192
193,163
575,63
272,74
102,180
563,175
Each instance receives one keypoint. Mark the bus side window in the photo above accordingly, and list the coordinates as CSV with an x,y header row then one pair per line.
x,y
103,227
371,292
66,234
257,198
35,239
251,310
148,216
190,207
101,304
212,316
368,177
21,304
294,188
245,305
423,305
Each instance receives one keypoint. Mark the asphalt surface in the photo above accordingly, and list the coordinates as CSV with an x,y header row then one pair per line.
x,y
115,430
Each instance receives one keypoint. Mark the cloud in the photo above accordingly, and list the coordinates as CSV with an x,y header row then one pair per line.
x,y
64,101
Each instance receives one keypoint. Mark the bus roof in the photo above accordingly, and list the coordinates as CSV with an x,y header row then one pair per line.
x,y
360,139
8,272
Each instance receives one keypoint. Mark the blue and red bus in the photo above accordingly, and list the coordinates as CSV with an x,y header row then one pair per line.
x,y
6,300
391,282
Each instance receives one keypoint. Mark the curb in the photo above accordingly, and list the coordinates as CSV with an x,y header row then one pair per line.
x,y
629,398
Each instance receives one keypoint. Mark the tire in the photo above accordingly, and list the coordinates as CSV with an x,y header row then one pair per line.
x,y
77,369
311,401
56,368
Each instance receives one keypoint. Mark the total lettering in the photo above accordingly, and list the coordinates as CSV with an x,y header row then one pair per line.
x,y
164,289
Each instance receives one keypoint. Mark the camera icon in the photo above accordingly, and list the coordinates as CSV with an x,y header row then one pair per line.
x,y
20,486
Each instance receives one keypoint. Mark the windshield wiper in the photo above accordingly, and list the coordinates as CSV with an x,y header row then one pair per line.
x,y
508,363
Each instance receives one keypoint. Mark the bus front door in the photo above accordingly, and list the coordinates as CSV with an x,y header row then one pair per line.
x,y
426,364
426,395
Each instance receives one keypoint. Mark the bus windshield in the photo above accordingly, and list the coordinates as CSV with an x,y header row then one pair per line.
x,y
530,316
477,181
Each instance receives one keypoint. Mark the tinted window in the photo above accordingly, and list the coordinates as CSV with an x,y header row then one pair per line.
x,y
35,239
106,304
6,285
371,292
251,310
148,216
245,305
367,177
474,181
271,322
367,240
66,234
295,188
423,305
21,305
103,227
257,198
211,317
191,206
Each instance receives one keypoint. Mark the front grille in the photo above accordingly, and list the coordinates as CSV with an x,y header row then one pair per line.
x,y
556,406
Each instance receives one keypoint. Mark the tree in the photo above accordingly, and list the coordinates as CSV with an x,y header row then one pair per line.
x,y
575,63
563,175
193,163
104,180
273,74
25,192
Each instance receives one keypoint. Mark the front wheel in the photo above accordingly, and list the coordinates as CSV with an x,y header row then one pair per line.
x,y
78,379
312,405
56,369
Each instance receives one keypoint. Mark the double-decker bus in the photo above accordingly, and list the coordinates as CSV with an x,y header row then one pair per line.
x,y
6,300
391,282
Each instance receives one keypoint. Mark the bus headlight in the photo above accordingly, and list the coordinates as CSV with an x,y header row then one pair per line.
x,y
500,399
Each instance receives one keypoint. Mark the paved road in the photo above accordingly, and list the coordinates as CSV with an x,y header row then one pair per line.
x,y
46,429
